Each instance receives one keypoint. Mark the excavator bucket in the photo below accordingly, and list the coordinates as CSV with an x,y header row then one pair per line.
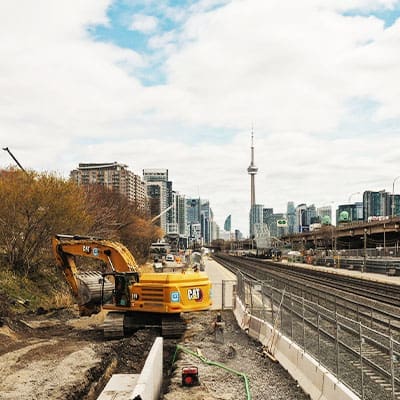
x,y
92,288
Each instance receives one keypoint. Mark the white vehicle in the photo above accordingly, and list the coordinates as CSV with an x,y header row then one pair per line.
x,y
169,257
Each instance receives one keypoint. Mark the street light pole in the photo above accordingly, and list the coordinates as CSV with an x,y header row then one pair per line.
x,y
352,195
351,208
394,181
13,157
365,250
301,219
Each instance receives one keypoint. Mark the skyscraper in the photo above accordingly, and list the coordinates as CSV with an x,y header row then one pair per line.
x,y
291,217
228,223
199,219
157,192
376,204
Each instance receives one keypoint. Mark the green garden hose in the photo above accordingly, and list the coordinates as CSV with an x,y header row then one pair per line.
x,y
216,364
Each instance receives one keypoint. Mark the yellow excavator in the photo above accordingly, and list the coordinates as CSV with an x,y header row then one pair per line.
x,y
134,299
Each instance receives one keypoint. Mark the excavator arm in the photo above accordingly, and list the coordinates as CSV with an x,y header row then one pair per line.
x,y
115,254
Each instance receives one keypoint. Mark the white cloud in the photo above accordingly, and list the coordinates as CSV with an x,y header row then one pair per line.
x,y
144,23
290,68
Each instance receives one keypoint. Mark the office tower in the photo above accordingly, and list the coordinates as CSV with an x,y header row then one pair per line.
x,y
376,204
291,217
199,213
157,193
301,218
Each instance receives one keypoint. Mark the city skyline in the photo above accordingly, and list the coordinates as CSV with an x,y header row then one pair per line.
x,y
179,85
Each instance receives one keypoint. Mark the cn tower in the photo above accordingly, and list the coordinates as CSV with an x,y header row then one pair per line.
x,y
252,170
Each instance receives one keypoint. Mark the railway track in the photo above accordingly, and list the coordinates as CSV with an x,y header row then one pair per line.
x,y
352,334
381,292
362,305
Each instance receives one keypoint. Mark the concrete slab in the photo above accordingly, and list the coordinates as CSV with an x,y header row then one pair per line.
x,y
119,387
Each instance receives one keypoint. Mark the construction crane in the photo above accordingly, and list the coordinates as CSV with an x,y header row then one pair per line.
x,y
13,157
162,213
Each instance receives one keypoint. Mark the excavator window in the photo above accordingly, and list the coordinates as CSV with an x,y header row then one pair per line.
x,y
121,291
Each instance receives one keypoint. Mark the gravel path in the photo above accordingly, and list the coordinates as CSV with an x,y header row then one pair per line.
x,y
267,380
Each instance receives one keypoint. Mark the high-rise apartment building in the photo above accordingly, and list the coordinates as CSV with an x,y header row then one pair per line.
x,y
114,176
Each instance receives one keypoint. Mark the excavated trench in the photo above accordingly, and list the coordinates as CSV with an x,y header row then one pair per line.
x,y
60,356
125,356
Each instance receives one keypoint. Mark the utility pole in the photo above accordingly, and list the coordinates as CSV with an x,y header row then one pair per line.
x,y
13,157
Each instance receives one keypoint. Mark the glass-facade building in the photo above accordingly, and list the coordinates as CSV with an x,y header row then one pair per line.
x,y
157,193
255,217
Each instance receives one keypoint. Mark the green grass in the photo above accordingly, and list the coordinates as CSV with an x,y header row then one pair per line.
x,y
46,288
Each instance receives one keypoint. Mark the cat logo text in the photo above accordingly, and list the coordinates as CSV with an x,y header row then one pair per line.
x,y
195,294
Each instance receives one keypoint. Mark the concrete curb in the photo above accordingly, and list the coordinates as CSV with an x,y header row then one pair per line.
x,y
149,383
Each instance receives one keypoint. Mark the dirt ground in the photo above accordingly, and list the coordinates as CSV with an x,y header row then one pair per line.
x,y
60,355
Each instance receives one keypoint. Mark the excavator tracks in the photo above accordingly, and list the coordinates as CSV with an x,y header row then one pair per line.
x,y
117,324
113,326
173,326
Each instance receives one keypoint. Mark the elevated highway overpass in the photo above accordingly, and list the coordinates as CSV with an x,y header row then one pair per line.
x,y
352,235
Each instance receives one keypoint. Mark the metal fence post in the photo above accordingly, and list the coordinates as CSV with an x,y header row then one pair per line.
x,y
272,304
319,339
264,308
291,316
392,366
251,298
223,295
337,346
304,325
361,362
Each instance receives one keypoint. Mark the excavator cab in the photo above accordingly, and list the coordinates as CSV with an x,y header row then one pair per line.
x,y
121,294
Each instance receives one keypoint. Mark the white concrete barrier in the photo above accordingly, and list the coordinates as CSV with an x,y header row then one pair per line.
x,y
148,386
119,387
143,386
313,378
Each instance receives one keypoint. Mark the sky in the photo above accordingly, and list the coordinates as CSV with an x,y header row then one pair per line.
x,y
180,84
